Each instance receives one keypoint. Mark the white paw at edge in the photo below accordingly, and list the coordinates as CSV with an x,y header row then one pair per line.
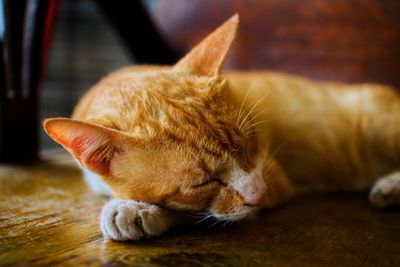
x,y
380,195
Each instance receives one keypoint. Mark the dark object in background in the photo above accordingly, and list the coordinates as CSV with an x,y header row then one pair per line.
x,y
24,41
349,41
131,20
25,27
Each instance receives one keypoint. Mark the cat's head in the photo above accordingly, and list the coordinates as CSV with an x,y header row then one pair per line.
x,y
179,143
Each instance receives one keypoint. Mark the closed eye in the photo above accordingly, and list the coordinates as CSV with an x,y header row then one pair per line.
x,y
215,180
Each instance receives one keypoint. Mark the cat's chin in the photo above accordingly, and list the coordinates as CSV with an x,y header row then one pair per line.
x,y
245,212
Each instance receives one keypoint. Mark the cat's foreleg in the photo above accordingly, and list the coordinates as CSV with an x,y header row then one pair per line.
x,y
386,191
133,220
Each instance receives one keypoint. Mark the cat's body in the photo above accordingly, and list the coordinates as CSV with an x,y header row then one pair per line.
x,y
187,139
326,136
310,127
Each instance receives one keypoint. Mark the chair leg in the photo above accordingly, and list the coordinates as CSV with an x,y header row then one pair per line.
x,y
134,25
23,47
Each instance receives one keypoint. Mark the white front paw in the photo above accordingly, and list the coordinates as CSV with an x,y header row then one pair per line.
x,y
132,220
386,191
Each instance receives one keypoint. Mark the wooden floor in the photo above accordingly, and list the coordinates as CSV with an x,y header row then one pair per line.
x,y
49,217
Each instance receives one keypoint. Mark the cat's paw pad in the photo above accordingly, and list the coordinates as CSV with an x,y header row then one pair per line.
x,y
132,220
386,191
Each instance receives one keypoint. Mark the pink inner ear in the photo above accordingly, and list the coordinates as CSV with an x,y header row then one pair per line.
x,y
91,145
92,154
99,160
77,145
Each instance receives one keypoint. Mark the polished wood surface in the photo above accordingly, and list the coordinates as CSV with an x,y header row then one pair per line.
x,y
49,217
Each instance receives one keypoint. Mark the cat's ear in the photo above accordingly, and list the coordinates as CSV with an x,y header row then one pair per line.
x,y
208,57
92,145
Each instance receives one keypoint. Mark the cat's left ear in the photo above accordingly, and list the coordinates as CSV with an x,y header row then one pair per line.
x,y
208,57
92,145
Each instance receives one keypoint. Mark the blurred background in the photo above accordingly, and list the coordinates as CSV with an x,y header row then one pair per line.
x,y
84,48
347,41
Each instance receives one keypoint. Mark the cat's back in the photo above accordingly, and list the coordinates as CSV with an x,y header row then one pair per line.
x,y
281,94
315,126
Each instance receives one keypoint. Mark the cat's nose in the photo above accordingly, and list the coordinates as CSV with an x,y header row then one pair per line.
x,y
255,195
251,187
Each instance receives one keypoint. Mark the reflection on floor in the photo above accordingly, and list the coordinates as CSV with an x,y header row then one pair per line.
x,y
49,217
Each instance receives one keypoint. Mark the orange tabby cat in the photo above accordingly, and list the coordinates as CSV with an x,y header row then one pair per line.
x,y
172,140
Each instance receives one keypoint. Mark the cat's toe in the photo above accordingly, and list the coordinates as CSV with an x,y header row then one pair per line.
x,y
154,221
131,220
110,220
386,191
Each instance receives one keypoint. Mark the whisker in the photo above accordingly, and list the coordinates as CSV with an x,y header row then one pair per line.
x,y
269,163
251,126
212,225
196,216
252,119
226,224
254,124
204,219
250,133
251,130
200,213
252,109
244,100
221,224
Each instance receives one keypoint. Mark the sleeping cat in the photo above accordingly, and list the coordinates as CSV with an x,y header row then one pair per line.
x,y
169,141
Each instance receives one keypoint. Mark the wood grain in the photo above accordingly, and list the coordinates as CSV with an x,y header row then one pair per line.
x,y
49,217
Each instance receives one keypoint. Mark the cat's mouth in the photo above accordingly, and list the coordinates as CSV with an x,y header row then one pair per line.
x,y
231,205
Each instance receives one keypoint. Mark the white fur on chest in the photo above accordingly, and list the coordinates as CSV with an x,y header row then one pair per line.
x,y
95,182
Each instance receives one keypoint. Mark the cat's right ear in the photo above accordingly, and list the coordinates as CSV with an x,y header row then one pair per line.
x,y
92,145
208,57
